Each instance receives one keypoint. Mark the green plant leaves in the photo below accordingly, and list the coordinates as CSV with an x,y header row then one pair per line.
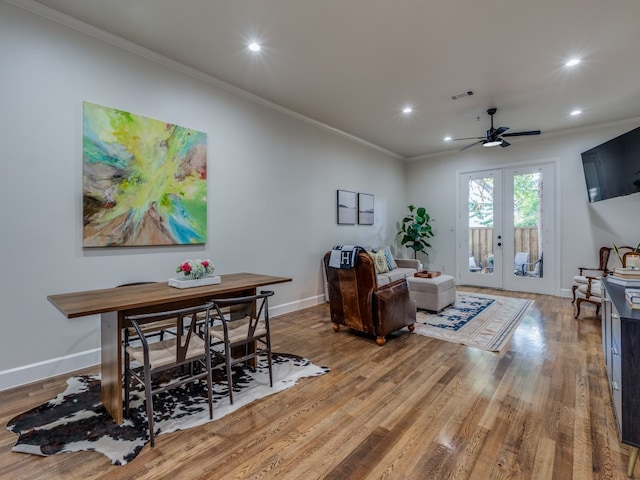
x,y
415,228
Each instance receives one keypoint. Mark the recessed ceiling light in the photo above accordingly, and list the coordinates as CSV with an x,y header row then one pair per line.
x,y
572,62
407,110
254,47
447,139
575,112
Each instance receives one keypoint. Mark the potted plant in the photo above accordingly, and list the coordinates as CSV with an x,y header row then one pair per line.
x,y
415,228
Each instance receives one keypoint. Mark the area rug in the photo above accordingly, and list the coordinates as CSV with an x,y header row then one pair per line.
x,y
475,320
76,420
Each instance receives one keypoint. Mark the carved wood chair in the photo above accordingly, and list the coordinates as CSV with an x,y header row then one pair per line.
x,y
591,292
608,261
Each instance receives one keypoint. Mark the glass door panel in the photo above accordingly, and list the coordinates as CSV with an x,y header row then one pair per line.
x,y
527,224
481,220
529,240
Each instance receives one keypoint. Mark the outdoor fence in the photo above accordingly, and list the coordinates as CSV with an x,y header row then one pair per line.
x,y
481,243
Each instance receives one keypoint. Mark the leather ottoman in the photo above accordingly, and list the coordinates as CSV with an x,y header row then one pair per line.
x,y
432,294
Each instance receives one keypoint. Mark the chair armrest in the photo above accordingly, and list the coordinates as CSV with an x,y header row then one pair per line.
x,y
409,263
591,281
394,307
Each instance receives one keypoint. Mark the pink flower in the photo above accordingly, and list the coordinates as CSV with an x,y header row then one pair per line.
x,y
205,264
185,267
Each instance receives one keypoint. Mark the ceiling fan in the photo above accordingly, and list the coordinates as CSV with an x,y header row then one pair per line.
x,y
495,136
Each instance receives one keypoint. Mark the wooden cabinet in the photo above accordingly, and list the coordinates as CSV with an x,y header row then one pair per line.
x,y
621,347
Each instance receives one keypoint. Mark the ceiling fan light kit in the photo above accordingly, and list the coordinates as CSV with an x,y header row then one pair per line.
x,y
494,136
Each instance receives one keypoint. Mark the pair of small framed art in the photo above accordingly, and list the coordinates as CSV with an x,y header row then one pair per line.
x,y
354,206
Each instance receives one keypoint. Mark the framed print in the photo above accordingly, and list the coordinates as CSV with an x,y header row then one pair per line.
x,y
346,207
365,209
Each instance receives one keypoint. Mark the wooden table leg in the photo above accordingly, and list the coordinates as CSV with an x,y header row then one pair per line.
x,y
632,461
111,362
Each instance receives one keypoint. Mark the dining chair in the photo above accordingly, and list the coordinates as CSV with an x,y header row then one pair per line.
x,y
240,332
183,348
149,329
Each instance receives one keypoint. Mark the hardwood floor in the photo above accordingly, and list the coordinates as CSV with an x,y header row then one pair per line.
x,y
414,408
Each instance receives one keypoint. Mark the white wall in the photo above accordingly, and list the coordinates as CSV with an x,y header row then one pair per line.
x,y
271,188
584,227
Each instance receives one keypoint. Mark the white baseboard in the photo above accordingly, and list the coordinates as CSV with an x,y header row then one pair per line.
x,y
566,293
14,377
34,372
297,305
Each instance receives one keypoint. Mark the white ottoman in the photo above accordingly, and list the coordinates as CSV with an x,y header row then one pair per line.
x,y
433,293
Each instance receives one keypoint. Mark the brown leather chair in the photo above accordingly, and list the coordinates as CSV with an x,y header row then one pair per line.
x,y
356,301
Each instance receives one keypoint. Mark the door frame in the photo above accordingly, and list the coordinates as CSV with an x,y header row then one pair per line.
x,y
552,264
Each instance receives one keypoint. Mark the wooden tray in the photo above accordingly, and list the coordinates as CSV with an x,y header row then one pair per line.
x,y
426,274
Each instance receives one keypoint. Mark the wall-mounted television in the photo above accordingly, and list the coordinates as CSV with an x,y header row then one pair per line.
x,y
613,168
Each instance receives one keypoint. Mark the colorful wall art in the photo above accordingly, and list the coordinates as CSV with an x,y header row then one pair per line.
x,y
144,180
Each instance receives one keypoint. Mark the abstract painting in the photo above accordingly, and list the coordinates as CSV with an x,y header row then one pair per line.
x,y
144,180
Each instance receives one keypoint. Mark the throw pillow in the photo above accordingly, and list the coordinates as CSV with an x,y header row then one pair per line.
x,y
379,261
391,263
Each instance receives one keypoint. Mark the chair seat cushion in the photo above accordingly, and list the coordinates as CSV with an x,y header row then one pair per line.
x,y
596,290
238,330
165,352
393,275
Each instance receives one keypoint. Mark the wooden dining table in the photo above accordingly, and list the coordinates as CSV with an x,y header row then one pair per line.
x,y
113,304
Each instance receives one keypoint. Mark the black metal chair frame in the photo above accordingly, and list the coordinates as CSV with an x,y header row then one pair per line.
x,y
229,310
185,332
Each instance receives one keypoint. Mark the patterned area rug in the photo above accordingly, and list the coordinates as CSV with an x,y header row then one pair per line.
x,y
475,320
76,419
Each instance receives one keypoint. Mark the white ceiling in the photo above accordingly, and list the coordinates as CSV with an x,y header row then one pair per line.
x,y
354,64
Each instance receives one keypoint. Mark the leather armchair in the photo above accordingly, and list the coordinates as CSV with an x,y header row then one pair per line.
x,y
356,301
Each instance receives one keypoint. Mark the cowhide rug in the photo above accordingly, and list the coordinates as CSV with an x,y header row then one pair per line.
x,y
76,420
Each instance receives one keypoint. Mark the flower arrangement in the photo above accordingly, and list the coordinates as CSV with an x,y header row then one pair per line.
x,y
196,268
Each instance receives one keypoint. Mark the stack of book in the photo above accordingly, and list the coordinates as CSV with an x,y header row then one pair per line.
x,y
633,297
625,276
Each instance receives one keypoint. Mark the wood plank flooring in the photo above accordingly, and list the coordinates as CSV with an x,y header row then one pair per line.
x,y
415,408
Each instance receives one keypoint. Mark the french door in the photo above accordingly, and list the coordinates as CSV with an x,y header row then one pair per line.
x,y
506,228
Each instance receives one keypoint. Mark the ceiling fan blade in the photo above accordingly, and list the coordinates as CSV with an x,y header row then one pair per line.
x,y
504,143
499,131
473,144
522,134
468,138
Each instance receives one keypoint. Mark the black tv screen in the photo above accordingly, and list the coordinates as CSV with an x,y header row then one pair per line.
x,y
613,168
